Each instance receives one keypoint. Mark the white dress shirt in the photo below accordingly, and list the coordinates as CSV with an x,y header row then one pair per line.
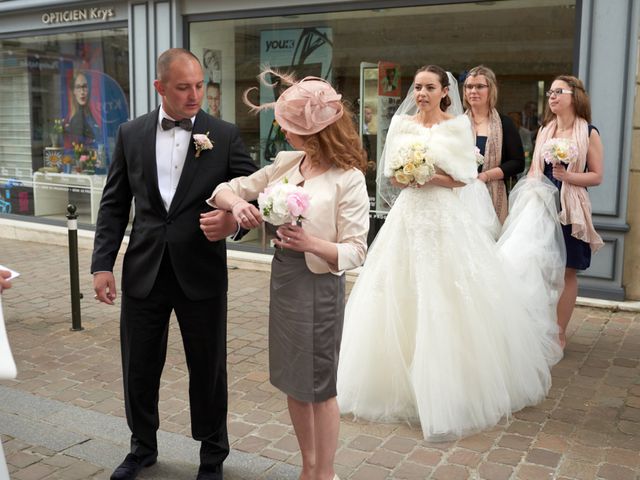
x,y
171,152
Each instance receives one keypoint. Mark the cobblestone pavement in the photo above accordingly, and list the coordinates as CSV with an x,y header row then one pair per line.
x,y
587,428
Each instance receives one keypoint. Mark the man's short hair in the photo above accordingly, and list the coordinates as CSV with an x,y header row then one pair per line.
x,y
167,57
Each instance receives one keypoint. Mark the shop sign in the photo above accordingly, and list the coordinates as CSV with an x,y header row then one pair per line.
x,y
97,14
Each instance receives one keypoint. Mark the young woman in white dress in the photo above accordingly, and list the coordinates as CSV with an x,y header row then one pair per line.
x,y
440,326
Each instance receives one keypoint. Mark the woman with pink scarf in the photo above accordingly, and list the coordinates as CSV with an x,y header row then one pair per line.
x,y
496,137
568,116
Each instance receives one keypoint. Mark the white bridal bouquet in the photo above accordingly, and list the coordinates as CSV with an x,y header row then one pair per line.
x,y
412,164
284,203
558,150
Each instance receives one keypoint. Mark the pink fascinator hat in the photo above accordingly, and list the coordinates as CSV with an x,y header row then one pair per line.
x,y
305,107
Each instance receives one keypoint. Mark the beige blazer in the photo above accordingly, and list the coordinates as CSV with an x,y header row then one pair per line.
x,y
339,210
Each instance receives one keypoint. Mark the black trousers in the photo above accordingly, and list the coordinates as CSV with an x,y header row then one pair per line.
x,y
144,328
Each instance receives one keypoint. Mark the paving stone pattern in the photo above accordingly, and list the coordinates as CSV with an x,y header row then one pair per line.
x,y
587,428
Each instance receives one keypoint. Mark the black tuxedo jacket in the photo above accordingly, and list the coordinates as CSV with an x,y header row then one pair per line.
x,y
199,265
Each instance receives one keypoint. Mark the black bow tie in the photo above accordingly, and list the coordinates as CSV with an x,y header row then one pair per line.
x,y
168,124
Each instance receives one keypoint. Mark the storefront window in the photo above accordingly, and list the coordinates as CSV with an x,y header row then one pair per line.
x,y
371,55
62,98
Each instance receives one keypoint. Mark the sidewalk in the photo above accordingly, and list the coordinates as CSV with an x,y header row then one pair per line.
x,y
63,417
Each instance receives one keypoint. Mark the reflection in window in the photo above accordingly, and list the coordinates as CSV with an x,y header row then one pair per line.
x,y
63,97
526,42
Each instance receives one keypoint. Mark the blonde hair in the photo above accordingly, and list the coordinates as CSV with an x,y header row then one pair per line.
x,y
491,81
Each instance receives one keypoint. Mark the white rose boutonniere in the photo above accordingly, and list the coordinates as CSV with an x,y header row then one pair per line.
x,y
202,142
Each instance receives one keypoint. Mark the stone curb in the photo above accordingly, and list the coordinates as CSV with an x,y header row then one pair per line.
x,y
102,440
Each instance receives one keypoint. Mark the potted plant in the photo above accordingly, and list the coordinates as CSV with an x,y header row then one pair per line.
x,y
90,162
57,131
80,153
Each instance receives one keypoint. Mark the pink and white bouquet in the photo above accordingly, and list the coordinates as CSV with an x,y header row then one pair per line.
x,y
412,164
557,150
284,203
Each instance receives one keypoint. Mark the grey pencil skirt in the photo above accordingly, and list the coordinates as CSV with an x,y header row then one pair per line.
x,y
306,314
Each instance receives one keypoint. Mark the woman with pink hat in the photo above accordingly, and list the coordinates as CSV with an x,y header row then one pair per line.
x,y
307,273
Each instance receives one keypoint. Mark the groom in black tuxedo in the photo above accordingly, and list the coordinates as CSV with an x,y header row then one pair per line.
x,y
175,260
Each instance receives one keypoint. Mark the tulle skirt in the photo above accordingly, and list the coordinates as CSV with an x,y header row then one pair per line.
x,y
445,325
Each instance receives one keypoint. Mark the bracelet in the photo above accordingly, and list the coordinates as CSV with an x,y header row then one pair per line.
x,y
234,204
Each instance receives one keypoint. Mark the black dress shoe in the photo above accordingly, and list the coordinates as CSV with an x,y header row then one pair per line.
x,y
131,466
207,472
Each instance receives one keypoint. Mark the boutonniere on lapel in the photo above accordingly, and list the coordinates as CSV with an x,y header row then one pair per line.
x,y
202,142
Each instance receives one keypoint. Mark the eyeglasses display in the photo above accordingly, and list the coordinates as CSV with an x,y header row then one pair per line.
x,y
557,91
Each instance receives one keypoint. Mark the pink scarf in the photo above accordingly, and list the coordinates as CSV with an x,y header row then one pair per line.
x,y
574,200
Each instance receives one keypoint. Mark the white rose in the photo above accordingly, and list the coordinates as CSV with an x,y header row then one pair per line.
x,y
402,178
203,141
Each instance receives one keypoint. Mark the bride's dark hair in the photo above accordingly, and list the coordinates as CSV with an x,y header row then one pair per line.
x,y
444,81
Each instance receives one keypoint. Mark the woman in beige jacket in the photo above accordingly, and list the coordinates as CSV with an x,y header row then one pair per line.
x,y
306,309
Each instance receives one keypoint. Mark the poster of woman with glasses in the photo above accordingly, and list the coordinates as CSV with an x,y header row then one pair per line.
x,y
82,125
93,106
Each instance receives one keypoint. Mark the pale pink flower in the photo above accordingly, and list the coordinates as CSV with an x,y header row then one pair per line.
x,y
283,203
202,142
298,202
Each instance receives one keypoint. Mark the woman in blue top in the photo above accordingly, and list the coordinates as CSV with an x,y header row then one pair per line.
x,y
568,116
497,137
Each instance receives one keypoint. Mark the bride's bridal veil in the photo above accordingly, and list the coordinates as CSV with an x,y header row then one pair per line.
x,y
386,190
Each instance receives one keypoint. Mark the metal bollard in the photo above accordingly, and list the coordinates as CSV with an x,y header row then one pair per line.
x,y
74,276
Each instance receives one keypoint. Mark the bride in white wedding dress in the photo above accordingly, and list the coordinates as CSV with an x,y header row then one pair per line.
x,y
447,325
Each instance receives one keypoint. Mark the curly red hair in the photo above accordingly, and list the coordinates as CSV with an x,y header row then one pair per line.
x,y
338,144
